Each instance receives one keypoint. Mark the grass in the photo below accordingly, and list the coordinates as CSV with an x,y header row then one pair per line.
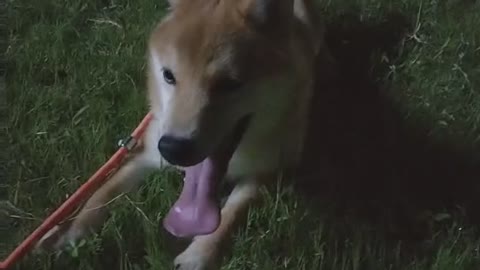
x,y
402,139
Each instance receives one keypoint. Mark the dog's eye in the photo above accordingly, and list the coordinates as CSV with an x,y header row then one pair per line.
x,y
228,84
168,76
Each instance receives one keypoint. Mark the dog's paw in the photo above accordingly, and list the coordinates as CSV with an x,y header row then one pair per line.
x,y
58,238
198,256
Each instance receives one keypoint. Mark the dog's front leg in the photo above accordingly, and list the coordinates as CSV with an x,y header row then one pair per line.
x,y
204,252
93,214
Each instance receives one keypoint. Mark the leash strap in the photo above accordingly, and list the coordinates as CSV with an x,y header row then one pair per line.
x,y
92,184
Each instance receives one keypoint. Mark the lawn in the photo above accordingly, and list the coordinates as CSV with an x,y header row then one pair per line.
x,y
402,134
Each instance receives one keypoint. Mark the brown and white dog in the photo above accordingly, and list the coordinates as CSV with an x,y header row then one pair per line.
x,y
230,84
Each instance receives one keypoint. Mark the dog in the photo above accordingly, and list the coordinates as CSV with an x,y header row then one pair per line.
x,y
229,85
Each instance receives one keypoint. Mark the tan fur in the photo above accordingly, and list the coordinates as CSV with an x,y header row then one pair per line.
x,y
268,45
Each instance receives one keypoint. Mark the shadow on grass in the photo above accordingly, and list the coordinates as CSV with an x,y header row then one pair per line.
x,y
363,157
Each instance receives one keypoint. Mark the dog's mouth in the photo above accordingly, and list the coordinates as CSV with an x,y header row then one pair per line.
x,y
196,211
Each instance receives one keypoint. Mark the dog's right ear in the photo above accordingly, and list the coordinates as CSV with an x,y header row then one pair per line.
x,y
268,15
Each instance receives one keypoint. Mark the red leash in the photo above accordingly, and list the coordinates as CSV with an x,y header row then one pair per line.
x,y
93,183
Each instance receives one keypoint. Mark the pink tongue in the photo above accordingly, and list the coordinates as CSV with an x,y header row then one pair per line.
x,y
196,212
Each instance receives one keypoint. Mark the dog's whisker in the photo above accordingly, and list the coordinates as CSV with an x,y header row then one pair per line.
x,y
98,207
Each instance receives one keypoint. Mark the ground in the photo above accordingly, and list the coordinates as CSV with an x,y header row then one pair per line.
x,y
402,136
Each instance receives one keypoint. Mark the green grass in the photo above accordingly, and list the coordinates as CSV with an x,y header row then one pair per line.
x,y
76,84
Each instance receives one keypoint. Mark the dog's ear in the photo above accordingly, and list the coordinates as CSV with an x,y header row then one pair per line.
x,y
268,15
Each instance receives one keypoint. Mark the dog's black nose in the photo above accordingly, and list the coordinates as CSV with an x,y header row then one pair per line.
x,y
177,151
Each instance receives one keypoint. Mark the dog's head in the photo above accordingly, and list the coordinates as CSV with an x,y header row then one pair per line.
x,y
211,62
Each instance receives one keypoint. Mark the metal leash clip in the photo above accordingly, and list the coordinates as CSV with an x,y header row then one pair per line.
x,y
129,143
